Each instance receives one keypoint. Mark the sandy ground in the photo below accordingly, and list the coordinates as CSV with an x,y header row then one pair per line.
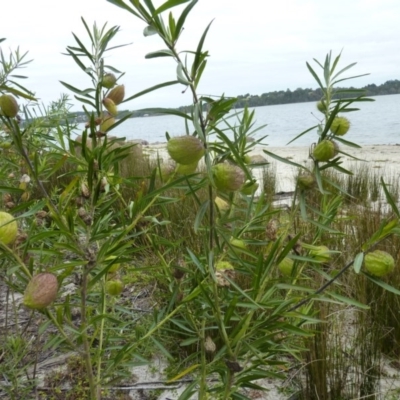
x,y
381,159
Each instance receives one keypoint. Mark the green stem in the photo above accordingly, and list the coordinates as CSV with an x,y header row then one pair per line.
x,y
203,383
95,393
228,385
101,337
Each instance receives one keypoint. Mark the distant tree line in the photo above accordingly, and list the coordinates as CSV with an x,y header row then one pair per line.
x,y
304,95
278,97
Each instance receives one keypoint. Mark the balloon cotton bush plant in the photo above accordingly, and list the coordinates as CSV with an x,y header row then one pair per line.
x,y
227,304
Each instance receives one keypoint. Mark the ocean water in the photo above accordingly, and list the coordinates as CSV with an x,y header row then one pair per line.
x,y
376,122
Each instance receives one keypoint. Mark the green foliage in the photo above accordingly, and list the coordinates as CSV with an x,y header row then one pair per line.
x,y
93,210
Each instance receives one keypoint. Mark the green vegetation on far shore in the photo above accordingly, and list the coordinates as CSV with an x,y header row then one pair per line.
x,y
273,98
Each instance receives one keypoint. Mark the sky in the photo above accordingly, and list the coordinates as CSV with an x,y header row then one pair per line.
x,y
255,46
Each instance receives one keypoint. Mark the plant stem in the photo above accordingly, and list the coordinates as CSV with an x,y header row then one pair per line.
x,y
94,388
203,385
101,337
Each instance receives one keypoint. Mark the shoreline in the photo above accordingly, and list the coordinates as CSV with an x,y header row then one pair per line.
x,y
380,158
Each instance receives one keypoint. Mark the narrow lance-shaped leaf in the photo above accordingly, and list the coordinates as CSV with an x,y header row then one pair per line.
x,y
168,111
327,69
343,70
315,76
348,301
151,89
335,64
160,53
197,58
83,48
169,4
121,4
358,260
84,92
382,284
149,31
86,101
350,77
302,133
284,160
182,18
390,199
181,75
200,215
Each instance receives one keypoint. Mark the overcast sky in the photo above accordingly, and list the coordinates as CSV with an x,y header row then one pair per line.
x,y
255,46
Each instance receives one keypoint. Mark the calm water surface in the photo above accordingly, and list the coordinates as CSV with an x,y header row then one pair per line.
x,y
377,122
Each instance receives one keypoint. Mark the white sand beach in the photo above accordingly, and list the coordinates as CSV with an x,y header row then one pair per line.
x,y
383,160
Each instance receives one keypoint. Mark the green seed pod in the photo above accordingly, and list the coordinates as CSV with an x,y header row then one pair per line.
x,y
321,254
340,126
8,228
227,177
5,145
249,188
108,81
325,150
238,243
209,345
223,266
187,169
185,149
107,122
247,159
117,94
110,106
306,181
114,287
41,291
379,263
114,267
166,171
8,105
286,266
221,204
321,106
